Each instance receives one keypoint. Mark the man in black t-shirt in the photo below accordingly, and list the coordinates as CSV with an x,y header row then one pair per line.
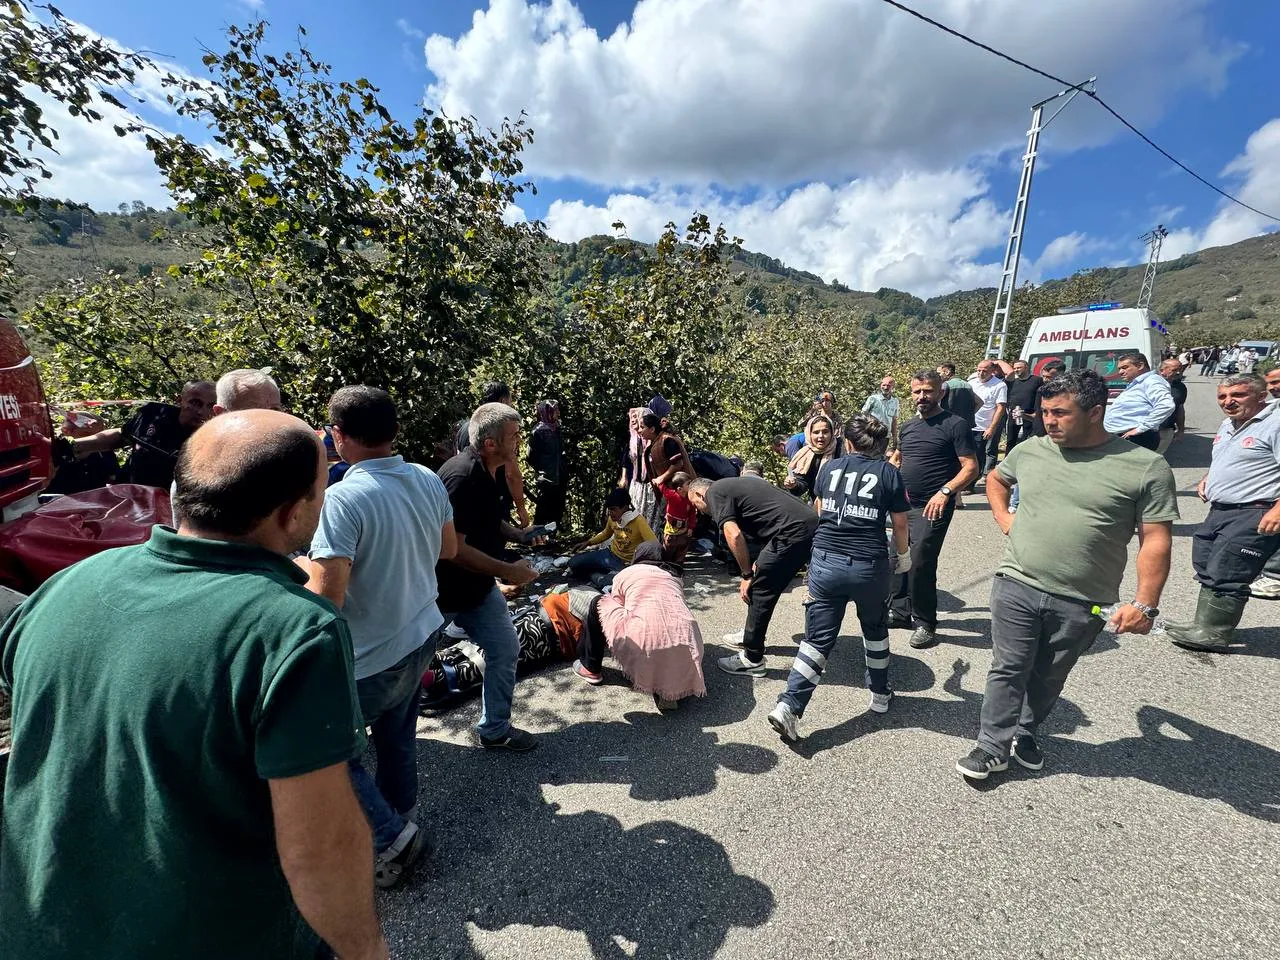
x,y
1024,399
469,594
744,507
1176,423
937,459
156,432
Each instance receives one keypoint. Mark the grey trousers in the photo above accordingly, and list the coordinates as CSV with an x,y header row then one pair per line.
x,y
1036,638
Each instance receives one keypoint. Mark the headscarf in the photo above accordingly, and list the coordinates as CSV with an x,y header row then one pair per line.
x,y
803,461
546,410
650,552
637,444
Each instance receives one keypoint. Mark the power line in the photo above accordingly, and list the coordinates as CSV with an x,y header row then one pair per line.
x,y
1102,103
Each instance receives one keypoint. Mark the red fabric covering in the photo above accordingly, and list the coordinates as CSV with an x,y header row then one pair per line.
x,y
52,538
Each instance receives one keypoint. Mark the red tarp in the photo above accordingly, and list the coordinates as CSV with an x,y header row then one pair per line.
x,y
35,547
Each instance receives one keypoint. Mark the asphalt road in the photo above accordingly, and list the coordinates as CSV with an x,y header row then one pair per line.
x,y
1153,830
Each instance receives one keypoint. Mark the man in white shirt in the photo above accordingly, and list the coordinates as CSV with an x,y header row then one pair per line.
x,y
992,395
884,407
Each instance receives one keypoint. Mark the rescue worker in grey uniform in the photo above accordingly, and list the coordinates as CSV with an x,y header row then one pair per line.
x,y
1242,530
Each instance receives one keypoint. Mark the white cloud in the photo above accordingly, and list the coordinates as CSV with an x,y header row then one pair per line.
x,y
777,92
409,30
922,232
1257,173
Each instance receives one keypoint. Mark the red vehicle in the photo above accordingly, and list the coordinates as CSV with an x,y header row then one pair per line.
x,y
26,430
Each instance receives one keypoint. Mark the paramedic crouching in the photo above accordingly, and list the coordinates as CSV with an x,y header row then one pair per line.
x,y
1136,415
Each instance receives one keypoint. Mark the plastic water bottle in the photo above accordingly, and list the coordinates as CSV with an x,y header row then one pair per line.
x,y
1157,627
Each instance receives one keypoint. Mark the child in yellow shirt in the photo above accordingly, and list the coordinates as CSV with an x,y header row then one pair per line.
x,y
625,530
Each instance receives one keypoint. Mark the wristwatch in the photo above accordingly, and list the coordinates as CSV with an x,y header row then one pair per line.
x,y
748,575
947,490
1149,612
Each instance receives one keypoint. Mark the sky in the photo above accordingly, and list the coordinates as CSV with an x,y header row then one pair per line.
x,y
842,137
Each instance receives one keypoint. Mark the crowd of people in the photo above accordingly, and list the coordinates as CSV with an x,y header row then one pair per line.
x,y
188,770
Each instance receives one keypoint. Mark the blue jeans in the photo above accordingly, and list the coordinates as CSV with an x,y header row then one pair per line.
x,y
489,626
1015,498
604,561
389,706
834,581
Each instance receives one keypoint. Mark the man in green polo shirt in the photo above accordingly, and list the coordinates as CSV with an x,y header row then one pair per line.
x,y
183,714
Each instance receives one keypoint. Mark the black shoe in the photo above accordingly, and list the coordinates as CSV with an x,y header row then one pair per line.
x,y
1027,752
514,740
901,623
388,872
979,764
923,637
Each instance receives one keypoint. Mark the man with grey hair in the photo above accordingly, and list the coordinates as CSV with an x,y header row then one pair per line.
x,y
246,390
469,595
1242,531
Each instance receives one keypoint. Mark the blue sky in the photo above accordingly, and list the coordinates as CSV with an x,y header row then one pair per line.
x,y
838,135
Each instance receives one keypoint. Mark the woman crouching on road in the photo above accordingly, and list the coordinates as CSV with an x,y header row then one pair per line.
x,y
854,495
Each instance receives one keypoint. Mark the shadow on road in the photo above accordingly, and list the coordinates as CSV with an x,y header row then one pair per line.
x,y
1186,757
1194,450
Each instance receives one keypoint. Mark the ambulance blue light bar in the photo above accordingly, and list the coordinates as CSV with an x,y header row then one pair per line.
x,y
1104,306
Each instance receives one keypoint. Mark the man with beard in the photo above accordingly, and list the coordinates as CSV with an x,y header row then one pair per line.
x,y
937,458
1024,393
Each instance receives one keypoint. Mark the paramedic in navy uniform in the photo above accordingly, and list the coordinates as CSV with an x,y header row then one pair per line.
x,y
854,495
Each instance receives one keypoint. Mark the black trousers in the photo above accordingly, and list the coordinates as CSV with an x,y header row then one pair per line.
x,y
1015,433
915,596
1149,439
549,503
988,451
776,566
591,642
1228,553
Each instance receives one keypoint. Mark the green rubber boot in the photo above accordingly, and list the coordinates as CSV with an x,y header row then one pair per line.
x,y
1215,623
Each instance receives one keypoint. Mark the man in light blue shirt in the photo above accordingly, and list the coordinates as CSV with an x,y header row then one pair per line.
x,y
884,406
382,530
1144,404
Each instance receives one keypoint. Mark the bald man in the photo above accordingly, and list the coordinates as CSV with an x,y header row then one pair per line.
x,y
155,434
183,715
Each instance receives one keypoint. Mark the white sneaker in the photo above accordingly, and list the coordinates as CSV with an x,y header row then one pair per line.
x,y
738,665
455,632
880,701
735,638
1266,587
785,722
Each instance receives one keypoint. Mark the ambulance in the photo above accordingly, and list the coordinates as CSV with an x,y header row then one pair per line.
x,y
1094,337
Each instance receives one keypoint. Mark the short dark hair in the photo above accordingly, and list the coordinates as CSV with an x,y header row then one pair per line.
x,y
651,420
945,365
617,497
780,438
275,473
495,391
1087,387
1133,356
365,414
930,376
1054,366
867,434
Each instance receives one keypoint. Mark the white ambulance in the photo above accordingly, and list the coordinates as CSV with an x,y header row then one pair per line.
x,y
1094,337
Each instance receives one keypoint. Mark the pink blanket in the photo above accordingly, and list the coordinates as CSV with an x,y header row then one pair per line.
x,y
651,633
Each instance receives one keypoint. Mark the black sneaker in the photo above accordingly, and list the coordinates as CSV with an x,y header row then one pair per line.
x,y
514,740
979,764
389,871
1027,752
923,637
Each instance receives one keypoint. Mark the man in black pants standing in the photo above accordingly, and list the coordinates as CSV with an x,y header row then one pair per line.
x,y
744,507
937,458
1024,389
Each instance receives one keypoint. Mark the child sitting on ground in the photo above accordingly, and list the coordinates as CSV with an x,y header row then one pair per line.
x,y
681,516
625,530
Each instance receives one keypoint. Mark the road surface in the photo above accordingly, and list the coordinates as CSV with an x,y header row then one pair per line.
x,y
1153,830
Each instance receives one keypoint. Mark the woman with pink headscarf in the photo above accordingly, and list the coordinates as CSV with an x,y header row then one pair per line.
x,y
635,469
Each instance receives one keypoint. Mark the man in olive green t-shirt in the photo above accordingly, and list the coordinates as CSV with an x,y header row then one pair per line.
x,y
1084,492
183,714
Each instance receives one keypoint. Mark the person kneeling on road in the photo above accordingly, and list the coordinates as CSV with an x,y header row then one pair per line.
x,y
854,497
742,507
1084,493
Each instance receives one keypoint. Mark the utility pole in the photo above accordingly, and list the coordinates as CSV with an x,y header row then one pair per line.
x,y
1013,249
1155,240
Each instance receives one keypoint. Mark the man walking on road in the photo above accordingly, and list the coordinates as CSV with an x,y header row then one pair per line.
x,y
1145,403
381,533
183,714
937,459
469,594
1242,531
884,406
1024,390
1175,425
992,398
744,507
1084,493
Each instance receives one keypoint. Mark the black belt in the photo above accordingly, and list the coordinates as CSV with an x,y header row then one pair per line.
x,y
1266,504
